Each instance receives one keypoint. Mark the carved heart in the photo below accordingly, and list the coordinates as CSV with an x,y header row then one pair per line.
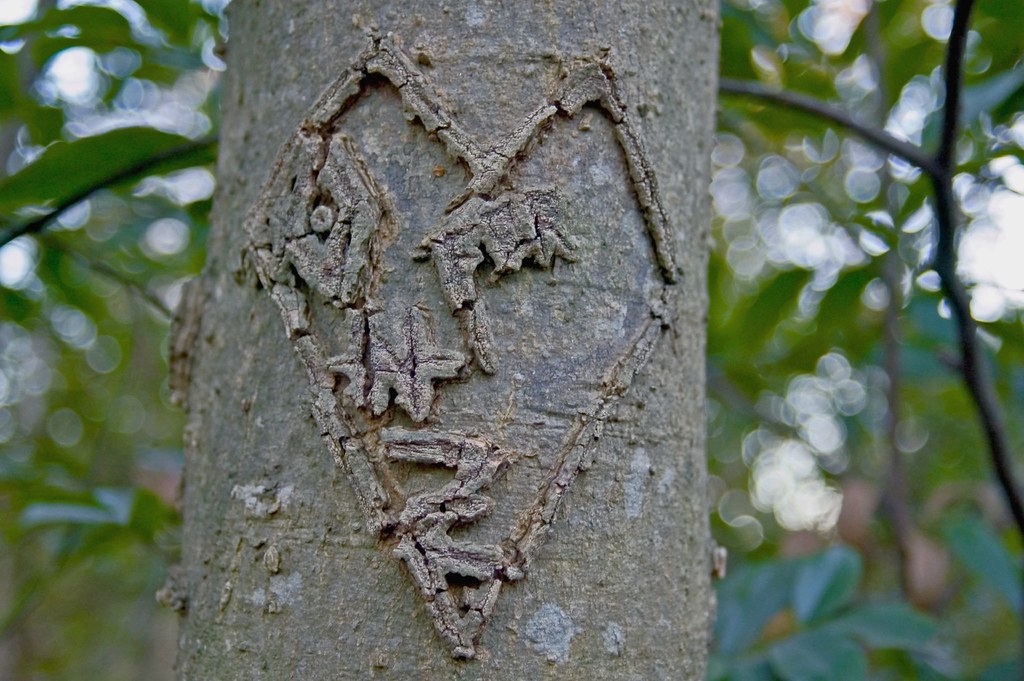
x,y
325,236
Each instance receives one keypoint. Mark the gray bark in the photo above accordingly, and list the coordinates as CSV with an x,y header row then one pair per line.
x,y
444,367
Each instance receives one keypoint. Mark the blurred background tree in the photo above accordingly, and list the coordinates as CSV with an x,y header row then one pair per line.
x,y
852,484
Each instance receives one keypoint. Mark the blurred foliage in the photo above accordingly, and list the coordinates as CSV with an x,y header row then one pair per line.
x,y
90,446
805,611
808,220
815,231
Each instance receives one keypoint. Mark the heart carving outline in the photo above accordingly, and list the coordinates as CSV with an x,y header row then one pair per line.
x,y
320,225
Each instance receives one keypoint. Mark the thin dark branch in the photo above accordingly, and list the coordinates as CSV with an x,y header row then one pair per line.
x,y
895,497
908,152
953,78
975,371
137,170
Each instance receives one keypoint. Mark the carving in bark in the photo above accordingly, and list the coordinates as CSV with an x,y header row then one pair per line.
x,y
317,239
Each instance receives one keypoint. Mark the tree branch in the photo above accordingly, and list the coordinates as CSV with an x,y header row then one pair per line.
x,y
134,171
895,497
975,371
973,367
908,152
952,76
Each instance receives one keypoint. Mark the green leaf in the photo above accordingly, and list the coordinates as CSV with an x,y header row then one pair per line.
x,y
932,668
757,320
1011,336
818,656
45,123
12,471
842,300
87,17
977,547
889,625
51,513
66,170
148,514
747,599
826,583
718,668
990,95
744,31
1009,669
176,17
134,509
10,85
100,29
841,320
158,72
118,502
722,668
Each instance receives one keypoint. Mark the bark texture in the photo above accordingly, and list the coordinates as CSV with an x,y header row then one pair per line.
x,y
444,368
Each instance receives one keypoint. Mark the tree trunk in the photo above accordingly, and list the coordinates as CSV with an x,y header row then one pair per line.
x,y
446,358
